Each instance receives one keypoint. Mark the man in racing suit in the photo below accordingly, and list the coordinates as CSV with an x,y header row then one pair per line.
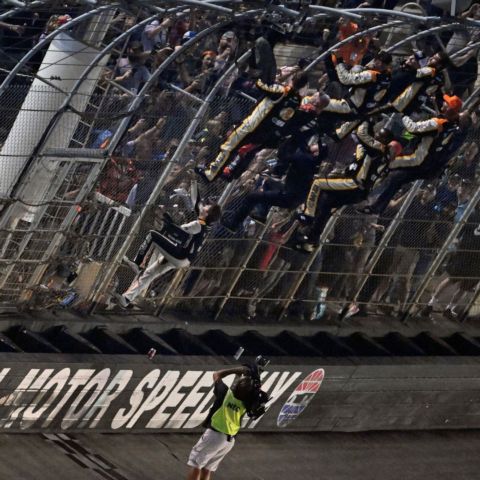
x,y
368,88
326,193
437,139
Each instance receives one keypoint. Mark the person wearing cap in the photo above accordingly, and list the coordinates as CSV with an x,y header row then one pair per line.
x,y
132,71
372,154
224,419
367,87
226,49
155,32
436,140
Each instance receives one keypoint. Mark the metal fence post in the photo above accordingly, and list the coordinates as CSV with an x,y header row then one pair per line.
x,y
323,240
387,236
442,253
157,190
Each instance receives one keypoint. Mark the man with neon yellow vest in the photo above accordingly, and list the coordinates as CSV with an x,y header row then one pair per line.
x,y
225,418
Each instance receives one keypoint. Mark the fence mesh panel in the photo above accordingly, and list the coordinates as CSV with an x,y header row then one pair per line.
x,y
80,206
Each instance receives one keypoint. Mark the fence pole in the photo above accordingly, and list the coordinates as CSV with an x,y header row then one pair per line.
x,y
323,240
441,254
158,187
387,236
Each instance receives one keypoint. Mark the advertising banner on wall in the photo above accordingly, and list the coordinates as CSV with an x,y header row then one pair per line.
x,y
116,397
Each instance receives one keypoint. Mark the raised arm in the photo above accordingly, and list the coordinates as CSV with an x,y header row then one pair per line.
x,y
220,374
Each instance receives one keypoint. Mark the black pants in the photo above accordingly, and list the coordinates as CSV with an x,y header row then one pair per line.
x,y
329,200
395,180
264,200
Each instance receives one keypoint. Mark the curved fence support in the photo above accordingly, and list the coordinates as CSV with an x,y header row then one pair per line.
x,y
429,275
425,33
106,278
40,45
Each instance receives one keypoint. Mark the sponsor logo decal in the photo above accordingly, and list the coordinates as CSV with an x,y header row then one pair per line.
x,y
300,398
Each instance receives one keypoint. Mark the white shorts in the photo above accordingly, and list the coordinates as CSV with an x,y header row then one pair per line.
x,y
210,450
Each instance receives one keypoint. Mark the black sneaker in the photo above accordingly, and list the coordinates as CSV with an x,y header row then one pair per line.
x,y
305,219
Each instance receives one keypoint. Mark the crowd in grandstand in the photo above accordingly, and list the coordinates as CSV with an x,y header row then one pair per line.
x,y
355,129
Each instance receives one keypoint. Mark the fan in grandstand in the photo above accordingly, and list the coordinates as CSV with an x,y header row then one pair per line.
x,y
171,248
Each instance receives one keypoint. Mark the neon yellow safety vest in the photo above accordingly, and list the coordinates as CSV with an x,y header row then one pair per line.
x,y
228,418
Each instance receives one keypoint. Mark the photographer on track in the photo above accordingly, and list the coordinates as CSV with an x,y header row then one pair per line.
x,y
225,418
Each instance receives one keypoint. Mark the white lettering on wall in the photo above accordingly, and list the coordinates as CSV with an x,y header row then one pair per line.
x,y
93,388
113,390
80,378
136,399
36,410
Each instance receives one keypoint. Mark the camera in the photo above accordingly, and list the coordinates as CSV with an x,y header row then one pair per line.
x,y
261,362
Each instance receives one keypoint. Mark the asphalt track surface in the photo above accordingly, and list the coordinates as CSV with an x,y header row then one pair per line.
x,y
334,456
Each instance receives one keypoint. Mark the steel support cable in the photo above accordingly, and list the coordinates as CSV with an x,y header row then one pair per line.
x,y
195,3
472,46
13,11
430,273
396,13
336,12
38,47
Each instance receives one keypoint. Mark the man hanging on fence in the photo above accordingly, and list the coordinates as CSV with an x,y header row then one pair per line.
x,y
172,247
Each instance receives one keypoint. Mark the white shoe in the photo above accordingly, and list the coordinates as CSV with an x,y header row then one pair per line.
x,y
122,301
132,265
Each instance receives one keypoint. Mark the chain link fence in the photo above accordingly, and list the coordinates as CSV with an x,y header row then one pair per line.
x,y
100,197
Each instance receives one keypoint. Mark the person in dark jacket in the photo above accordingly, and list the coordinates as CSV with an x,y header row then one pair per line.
x,y
299,168
163,261
437,140
326,193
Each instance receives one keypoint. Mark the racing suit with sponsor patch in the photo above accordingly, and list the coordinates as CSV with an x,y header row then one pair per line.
x,y
367,92
437,140
359,178
278,105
